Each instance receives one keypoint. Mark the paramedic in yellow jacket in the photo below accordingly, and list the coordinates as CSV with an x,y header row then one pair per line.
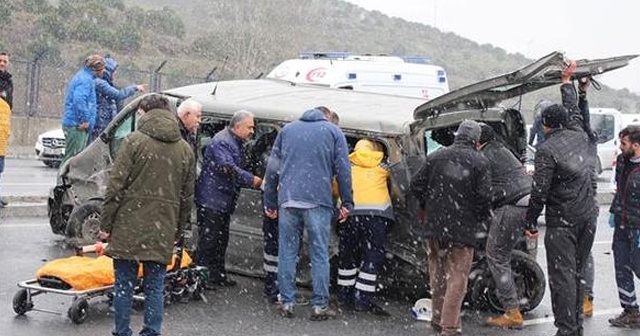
x,y
364,234
6,100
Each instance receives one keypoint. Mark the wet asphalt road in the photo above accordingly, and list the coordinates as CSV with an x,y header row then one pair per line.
x,y
26,243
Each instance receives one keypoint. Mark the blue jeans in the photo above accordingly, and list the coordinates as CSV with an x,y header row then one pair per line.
x,y
126,272
291,222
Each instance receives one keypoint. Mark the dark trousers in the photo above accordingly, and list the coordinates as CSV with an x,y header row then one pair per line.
x,y
213,239
361,256
626,254
506,228
567,251
270,256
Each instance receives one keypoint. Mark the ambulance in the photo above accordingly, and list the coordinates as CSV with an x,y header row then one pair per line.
x,y
410,76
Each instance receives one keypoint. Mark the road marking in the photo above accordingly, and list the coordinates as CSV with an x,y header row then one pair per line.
x,y
26,184
550,319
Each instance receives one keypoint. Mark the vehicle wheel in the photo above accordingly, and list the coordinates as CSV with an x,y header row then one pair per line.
x,y
21,302
530,283
79,311
84,221
58,212
480,286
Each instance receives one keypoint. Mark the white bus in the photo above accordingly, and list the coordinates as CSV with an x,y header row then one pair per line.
x,y
408,76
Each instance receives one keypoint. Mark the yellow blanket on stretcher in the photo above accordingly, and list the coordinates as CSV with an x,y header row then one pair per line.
x,y
83,273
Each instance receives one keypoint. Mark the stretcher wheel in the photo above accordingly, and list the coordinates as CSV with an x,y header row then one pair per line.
x,y
79,311
21,302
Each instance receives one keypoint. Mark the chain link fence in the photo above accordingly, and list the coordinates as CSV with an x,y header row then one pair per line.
x,y
39,86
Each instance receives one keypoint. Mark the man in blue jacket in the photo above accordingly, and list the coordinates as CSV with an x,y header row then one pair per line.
x,y
305,158
80,106
109,97
217,191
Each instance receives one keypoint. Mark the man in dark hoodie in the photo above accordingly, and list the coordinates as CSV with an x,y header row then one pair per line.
x,y
305,158
109,97
453,186
510,189
146,207
564,181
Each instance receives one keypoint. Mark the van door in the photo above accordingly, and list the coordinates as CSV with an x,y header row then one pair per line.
x,y
537,75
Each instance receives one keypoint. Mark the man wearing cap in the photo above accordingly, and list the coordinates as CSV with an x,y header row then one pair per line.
x,y
80,106
563,182
453,187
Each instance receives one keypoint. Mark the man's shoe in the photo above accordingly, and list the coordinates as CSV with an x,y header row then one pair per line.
x,y
321,314
3,202
628,319
285,310
587,306
512,318
373,309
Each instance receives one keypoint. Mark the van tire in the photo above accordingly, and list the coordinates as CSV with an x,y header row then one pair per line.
x,y
528,276
84,222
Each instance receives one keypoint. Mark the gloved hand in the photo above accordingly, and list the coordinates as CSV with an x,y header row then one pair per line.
x,y
612,220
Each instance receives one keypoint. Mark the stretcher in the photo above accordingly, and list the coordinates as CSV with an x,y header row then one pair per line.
x,y
84,279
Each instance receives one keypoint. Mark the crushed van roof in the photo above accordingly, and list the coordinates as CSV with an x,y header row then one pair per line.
x,y
270,99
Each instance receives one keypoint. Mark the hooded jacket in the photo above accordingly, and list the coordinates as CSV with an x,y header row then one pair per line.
x,y
564,177
150,191
369,179
109,97
454,186
222,177
80,100
307,154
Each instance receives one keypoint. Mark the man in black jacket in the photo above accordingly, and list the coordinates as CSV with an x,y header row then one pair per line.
x,y
625,210
563,181
453,185
510,189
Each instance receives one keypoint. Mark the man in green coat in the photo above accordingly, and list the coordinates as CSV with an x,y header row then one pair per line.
x,y
146,207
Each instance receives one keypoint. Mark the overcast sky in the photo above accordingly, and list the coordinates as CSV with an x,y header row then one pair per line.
x,y
581,28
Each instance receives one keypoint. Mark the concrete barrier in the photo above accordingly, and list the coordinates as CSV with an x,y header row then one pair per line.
x,y
25,130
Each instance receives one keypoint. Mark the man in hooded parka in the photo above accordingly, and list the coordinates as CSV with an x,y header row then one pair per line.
x,y
146,207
